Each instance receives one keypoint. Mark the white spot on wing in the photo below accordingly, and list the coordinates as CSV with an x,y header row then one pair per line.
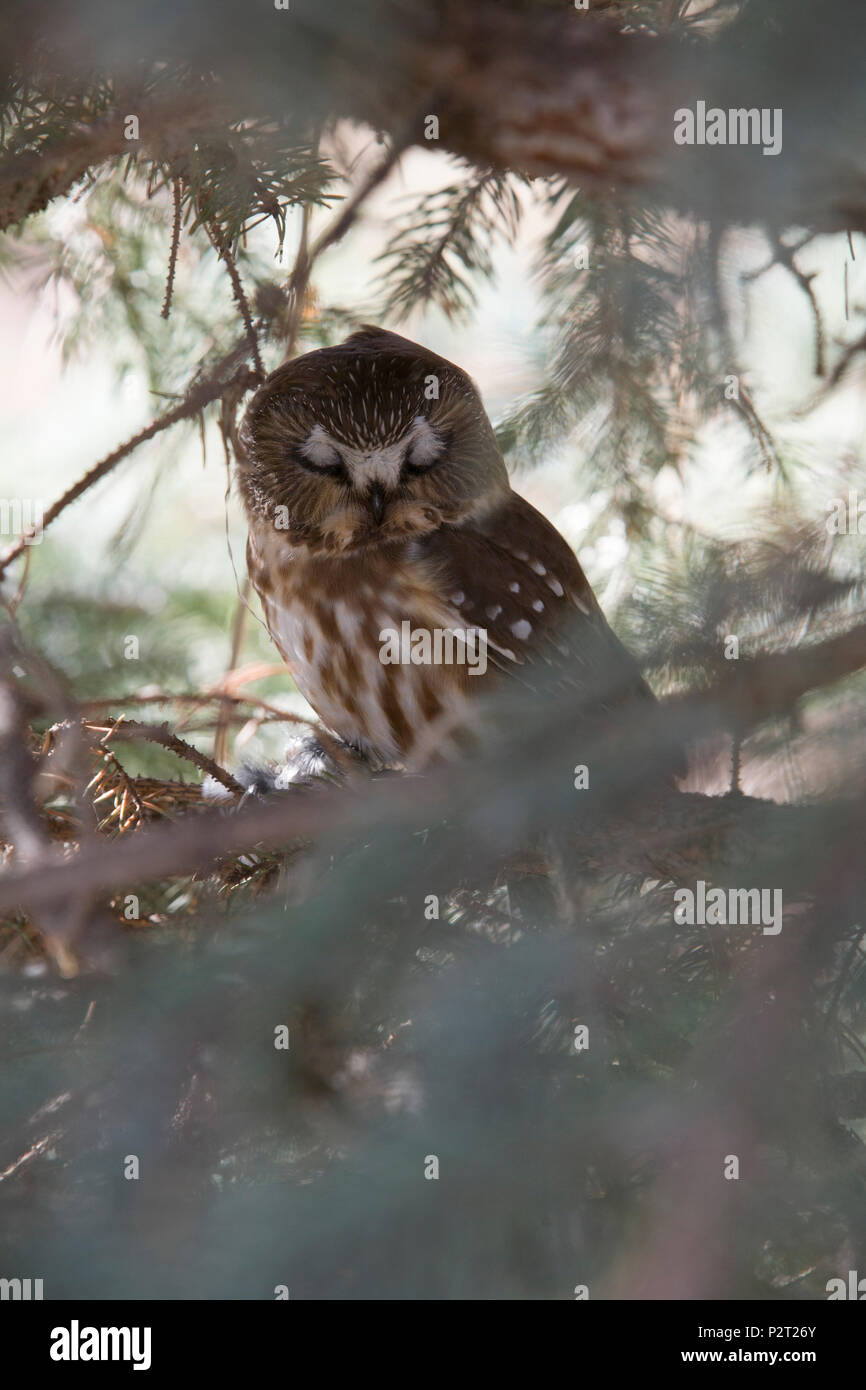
x,y
494,611
521,630
555,585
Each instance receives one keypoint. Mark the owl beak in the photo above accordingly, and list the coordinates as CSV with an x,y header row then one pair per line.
x,y
376,503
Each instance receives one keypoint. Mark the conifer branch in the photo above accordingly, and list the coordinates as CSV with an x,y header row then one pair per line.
x,y
163,735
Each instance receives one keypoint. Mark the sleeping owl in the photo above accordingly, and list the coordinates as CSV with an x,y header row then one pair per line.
x,y
399,573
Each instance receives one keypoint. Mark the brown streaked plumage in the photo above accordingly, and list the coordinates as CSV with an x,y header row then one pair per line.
x,y
377,495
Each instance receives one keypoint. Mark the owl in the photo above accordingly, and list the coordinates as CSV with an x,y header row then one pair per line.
x,y
399,573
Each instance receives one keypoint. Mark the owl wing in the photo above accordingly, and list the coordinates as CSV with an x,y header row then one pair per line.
x,y
514,575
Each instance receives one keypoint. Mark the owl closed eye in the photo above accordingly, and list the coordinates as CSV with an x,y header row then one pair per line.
x,y
359,446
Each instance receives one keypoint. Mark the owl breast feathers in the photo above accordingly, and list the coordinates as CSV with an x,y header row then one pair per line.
x,y
399,573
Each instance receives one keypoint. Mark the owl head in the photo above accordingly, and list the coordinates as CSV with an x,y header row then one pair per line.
x,y
367,443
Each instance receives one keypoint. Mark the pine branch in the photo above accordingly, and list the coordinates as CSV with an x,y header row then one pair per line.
x,y
682,826
447,238
163,735
30,178
308,256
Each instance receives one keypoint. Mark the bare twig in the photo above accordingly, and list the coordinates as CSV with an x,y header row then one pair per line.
x,y
210,389
745,406
197,698
308,255
784,256
221,738
225,254
298,285
349,212
175,245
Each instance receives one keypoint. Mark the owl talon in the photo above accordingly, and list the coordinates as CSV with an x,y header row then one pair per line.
x,y
308,761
